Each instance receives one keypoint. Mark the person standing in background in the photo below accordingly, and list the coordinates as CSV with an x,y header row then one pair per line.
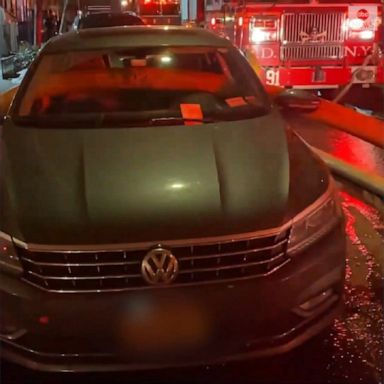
x,y
50,24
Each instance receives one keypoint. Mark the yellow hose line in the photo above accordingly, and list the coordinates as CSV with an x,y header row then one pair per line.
x,y
365,127
365,179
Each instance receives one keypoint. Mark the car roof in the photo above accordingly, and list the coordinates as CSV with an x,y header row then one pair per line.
x,y
102,19
112,14
133,36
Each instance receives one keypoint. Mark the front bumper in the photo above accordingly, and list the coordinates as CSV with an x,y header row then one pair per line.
x,y
167,327
317,77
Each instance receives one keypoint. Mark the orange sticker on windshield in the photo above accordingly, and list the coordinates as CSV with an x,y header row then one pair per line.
x,y
191,111
236,102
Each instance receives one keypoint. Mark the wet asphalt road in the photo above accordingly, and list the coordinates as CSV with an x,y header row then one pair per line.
x,y
340,144
350,352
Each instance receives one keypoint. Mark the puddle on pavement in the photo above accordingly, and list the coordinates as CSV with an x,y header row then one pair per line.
x,y
357,339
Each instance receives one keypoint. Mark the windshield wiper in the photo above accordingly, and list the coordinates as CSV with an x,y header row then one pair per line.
x,y
176,119
78,121
60,121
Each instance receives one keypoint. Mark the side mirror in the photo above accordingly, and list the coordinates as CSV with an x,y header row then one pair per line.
x,y
296,100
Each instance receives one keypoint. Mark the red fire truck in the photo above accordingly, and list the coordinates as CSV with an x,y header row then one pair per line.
x,y
153,12
315,45
159,12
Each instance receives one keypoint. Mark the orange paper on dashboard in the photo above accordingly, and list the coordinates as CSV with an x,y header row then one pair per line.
x,y
191,111
236,102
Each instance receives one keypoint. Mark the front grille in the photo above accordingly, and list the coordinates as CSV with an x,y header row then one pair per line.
x,y
312,36
309,52
121,270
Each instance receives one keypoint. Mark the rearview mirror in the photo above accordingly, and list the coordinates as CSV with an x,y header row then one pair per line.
x,y
297,100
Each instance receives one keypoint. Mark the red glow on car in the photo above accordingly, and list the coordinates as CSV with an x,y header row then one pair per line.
x,y
44,320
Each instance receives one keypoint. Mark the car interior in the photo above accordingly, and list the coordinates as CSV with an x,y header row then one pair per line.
x,y
135,82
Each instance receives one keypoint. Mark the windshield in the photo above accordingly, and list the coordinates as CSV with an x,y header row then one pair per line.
x,y
142,86
109,20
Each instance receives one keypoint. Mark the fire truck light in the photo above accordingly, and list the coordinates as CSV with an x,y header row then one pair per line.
x,y
367,35
259,36
165,59
124,3
356,24
213,21
240,21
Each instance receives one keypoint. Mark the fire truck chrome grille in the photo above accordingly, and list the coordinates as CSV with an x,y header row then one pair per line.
x,y
312,36
311,52
121,270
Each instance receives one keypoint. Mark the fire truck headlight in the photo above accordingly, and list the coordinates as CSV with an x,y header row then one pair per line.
x,y
356,24
165,59
366,35
259,36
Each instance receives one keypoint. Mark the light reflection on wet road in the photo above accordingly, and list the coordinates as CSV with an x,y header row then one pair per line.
x,y
350,352
340,144
358,337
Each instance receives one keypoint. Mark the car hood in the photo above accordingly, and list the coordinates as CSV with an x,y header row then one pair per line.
x,y
97,186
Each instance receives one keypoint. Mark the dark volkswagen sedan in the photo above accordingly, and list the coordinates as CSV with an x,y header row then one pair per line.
x,y
107,19
157,211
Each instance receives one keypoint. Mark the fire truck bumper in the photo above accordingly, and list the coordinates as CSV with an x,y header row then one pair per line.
x,y
318,77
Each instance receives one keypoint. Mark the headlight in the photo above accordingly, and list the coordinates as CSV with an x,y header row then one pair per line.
x,y
356,24
9,261
308,229
367,35
263,29
260,36
362,35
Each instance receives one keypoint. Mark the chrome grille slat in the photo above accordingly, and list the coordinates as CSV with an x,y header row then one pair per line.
x,y
201,282
297,26
126,263
120,270
219,255
233,266
94,264
74,278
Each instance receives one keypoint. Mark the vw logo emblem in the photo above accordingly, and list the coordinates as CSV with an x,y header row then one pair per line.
x,y
159,266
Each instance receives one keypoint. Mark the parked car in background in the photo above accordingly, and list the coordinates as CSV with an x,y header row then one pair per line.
x,y
156,210
106,19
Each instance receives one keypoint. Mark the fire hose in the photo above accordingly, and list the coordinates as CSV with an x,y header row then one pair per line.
x,y
369,181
